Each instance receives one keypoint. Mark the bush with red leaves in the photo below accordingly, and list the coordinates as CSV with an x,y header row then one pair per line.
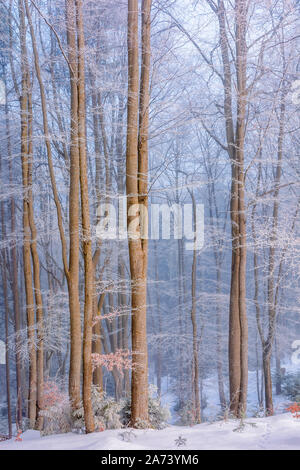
x,y
295,410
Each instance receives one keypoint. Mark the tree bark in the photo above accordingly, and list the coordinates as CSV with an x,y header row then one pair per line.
x,y
73,278
137,201
86,232
15,290
6,322
238,325
196,389
36,278
24,104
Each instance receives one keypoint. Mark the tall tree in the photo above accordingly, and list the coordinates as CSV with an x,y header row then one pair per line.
x,y
26,154
235,133
137,199
73,278
86,230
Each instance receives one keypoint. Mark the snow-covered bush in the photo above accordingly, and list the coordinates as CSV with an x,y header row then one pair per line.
x,y
180,442
295,410
158,415
56,410
186,414
106,412
291,386
127,435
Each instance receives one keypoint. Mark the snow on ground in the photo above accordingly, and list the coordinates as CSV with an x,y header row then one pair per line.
x,y
280,432
211,395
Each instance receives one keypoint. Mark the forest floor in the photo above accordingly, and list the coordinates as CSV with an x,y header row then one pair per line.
x,y
210,395
280,432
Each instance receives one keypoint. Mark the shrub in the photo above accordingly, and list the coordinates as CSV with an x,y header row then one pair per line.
x,y
295,410
186,411
187,414
158,415
291,386
56,410
106,412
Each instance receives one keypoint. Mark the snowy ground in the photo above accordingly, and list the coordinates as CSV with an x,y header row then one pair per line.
x,y
211,395
280,432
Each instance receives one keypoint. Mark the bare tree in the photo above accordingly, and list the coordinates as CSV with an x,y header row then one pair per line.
x,y
136,183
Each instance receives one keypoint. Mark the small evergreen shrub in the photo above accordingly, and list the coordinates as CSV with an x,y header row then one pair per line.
x,y
158,415
106,412
186,414
291,386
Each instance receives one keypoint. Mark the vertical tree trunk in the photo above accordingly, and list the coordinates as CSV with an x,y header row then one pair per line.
x,y
97,349
159,321
181,391
238,325
121,190
15,290
36,277
272,304
213,211
222,396
73,280
97,343
125,328
268,382
278,364
258,370
86,232
137,188
7,362
241,55
6,307
24,103
196,390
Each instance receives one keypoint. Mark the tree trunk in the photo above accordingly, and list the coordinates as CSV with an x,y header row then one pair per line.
x,y
272,298
73,279
6,308
268,384
196,390
278,365
15,290
86,233
222,396
238,326
24,104
159,320
137,202
36,278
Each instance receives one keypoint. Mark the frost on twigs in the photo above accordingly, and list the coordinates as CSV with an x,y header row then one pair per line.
x,y
158,415
106,412
55,329
180,442
56,410
243,424
187,414
127,436
121,360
